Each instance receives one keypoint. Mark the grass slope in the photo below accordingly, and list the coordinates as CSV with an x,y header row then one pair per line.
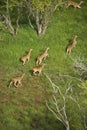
x,y
24,108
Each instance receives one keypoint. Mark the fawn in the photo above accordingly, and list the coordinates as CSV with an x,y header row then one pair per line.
x,y
16,80
71,46
26,57
74,4
38,69
44,55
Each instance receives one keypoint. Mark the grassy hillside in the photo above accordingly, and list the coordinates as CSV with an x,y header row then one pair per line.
x,y
24,108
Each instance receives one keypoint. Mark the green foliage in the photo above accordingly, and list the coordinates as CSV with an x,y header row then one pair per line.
x,y
83,85
41,4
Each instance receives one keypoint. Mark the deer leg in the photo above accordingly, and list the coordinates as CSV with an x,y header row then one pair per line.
x,y
34,72
37,62
23,62
15,84
20,83
28,59
67,6
40,61
69,52
44,58
10,84
79,7
39,72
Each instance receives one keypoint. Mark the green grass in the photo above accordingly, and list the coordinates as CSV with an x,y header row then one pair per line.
x,y
24,107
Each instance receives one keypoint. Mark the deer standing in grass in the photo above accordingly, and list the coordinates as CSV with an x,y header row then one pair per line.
x,y
26,57
74,4
16,81
44,55
38,69
71,46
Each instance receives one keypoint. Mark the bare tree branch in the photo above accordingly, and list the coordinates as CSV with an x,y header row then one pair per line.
x,y
17,21
85,125
60,111
69,76
54,113
80,63
59,4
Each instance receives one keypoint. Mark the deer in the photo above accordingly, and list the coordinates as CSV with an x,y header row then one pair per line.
x,y
44,55
26,57
38,69
16,81
72,45
74,4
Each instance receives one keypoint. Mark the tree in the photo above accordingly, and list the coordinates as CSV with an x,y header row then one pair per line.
x,y
59,102
7,8
40,13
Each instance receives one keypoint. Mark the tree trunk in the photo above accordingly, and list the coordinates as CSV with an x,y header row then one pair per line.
x,y
39,29
44,29
41,23
67,125
38,23
9,25
8,20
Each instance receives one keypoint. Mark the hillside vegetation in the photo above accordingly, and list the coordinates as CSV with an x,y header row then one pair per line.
x,y
24,108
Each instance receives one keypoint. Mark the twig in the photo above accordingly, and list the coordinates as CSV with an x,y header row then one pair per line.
x,y
85,125
54,113
65,75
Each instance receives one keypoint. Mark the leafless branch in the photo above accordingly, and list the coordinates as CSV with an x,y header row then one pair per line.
x,y
9,24
59,4
85,125
29,11
8,20
80,63
69,76
53,85
60,110
17,21
54,113
68,89
60,113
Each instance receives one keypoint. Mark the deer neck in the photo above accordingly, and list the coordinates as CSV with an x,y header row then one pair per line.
x,y
29,52
74,39
22,76
46,50
80,3
42,66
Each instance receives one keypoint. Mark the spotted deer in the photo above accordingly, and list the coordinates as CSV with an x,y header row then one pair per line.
x,y
26,57
72,45
44,55
16,81
74,4
38,69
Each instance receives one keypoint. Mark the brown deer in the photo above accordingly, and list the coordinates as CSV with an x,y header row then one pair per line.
x,y
38,69
72,45
16,81
44,55
26,57
74,4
